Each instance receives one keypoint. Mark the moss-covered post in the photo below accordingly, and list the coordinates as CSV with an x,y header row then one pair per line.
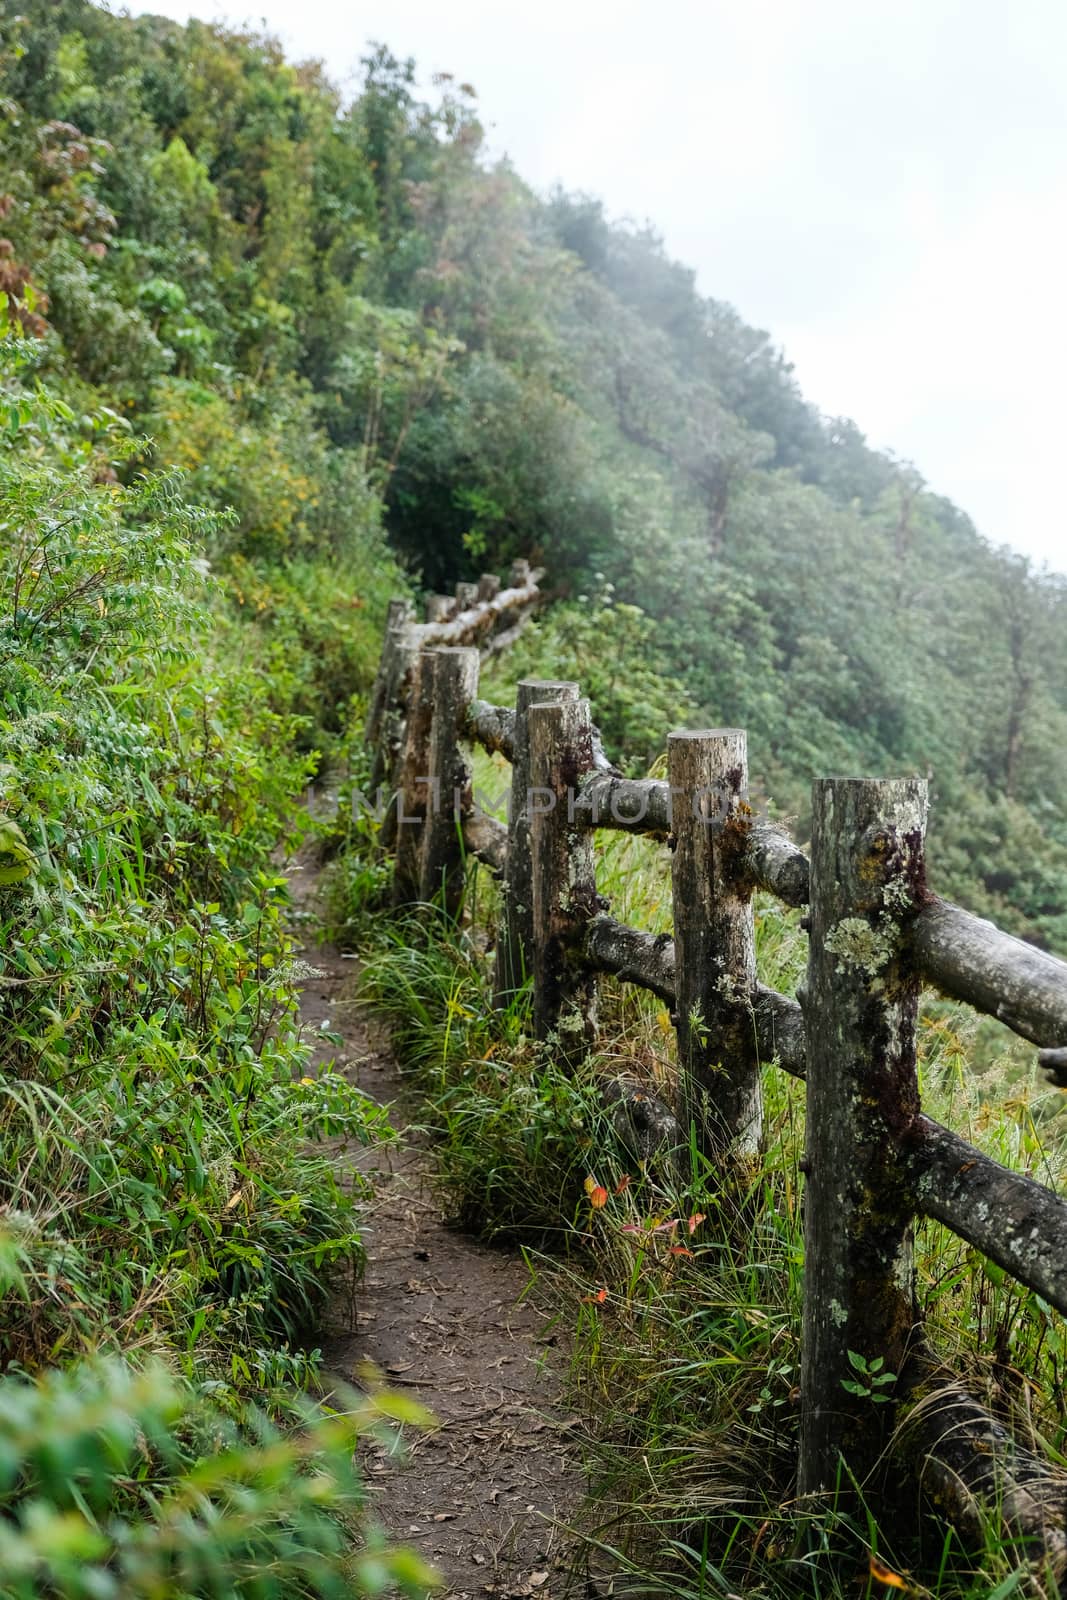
x,y
862,1097
564,875
410,814
714,942
466,596
448,799
514,949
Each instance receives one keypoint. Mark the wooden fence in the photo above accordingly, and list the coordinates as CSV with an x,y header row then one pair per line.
x,y
873,1161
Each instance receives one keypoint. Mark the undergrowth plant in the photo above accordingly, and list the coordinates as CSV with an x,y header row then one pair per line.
x,y
166,1191
160,1181
123,1485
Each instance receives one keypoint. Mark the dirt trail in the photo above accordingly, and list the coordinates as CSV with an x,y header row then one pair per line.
x,y
484,1494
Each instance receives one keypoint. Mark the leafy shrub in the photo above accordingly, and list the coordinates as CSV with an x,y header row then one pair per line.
x,y
613,652
118,1483
157,1133
315,629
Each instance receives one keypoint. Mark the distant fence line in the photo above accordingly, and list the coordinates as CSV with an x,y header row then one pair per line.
x,y
872,1160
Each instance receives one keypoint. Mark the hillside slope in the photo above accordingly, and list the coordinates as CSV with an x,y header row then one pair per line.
x,y
339,320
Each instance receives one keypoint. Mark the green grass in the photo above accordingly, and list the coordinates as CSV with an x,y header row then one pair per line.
x,y
173,1208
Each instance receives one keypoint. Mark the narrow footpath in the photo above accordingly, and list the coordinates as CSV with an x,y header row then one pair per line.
x,y
485,1495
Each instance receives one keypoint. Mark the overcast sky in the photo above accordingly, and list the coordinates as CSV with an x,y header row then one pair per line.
x,y
882,185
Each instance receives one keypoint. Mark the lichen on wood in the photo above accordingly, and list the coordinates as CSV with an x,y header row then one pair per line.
x,y
862,1093
564,876
514,952
448,802
714,944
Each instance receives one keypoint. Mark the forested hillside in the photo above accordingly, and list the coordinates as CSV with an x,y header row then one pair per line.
x,y
337,318
269,356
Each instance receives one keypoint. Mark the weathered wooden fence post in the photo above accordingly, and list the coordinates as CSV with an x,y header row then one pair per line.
x,y
388,710
389,757
398,612
448,800
514,950
518,573
412,781
439,607
862,1095
564,875
714,942
488,586
466,596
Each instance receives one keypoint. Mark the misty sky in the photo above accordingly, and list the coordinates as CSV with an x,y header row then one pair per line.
x,y
880,185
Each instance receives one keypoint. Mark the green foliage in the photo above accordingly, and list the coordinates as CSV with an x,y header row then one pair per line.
x,y
871,1380
315,307
116,1483
314,627
614,651
162,1186
171,1181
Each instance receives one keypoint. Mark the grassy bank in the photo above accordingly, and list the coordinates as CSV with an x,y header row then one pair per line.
x,y
170,1222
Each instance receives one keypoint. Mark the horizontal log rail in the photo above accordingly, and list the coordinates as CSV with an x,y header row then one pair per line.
x,y
964,956
477,620
647,960
966,1463
487,839
1018,1223
1054,1062
973,960
493,727
874,1160
641,958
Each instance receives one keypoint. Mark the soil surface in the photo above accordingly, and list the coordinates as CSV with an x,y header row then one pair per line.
x,y
486,1494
